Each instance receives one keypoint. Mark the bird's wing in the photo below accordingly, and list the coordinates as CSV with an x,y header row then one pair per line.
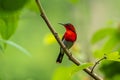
x,y
63,37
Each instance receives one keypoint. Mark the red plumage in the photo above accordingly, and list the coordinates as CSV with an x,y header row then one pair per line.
x,y
70,36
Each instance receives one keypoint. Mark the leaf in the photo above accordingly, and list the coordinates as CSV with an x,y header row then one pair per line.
x,y
66,73
8,25
16,46
99,35
12,5
114,56
110,44
9,16
108,47
81,67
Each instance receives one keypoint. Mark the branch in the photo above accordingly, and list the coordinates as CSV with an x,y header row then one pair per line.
x,y
96,63
74,60
56,34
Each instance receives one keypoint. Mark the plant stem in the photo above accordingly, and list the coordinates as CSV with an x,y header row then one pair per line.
x,y
96,63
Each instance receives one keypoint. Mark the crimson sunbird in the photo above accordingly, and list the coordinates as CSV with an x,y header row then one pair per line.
x,y
68,39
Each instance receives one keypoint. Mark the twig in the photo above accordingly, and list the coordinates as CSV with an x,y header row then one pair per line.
x,y
96,63
74,60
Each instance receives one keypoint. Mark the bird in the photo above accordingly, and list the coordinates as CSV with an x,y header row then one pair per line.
x,y
68,39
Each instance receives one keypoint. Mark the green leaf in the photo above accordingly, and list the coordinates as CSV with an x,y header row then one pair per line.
x,y
99,35
114,56
16,46
108,47
81,67
12,5
66,73
9,16
8,25
110,44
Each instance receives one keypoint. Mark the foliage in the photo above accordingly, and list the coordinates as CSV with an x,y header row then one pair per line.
x,y
66,73
8,25
10,17
114,56
12,5
110,69
110,48
16,46
101,34
110,45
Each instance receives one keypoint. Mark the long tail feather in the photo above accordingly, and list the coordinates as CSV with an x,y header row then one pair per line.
x,y
60,57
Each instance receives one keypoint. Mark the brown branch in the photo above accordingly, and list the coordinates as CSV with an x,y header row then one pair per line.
x,y
96,63
55,34
75,61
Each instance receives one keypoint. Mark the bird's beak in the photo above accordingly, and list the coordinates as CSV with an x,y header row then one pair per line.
x,y
61,24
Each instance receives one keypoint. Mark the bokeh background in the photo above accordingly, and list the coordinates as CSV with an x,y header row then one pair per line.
x,y
88,16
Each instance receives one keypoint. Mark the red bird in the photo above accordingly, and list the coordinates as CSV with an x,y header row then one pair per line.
x,y
68,39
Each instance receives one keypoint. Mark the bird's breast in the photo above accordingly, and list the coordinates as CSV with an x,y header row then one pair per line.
x,y
70,36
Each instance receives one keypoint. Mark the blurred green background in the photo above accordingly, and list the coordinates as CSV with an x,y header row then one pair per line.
x,y
88,16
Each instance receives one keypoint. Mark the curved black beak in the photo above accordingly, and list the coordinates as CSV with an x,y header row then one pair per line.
x,y
61,24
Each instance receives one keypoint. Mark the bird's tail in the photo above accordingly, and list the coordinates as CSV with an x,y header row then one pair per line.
x,y
60,57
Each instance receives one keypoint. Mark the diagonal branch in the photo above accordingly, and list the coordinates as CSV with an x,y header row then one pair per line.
x,y
55,34
74,60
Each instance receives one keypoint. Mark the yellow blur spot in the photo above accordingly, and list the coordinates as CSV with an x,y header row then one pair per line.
x,y
49,39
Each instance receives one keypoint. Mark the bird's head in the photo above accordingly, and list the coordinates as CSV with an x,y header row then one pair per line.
x,y
68,26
